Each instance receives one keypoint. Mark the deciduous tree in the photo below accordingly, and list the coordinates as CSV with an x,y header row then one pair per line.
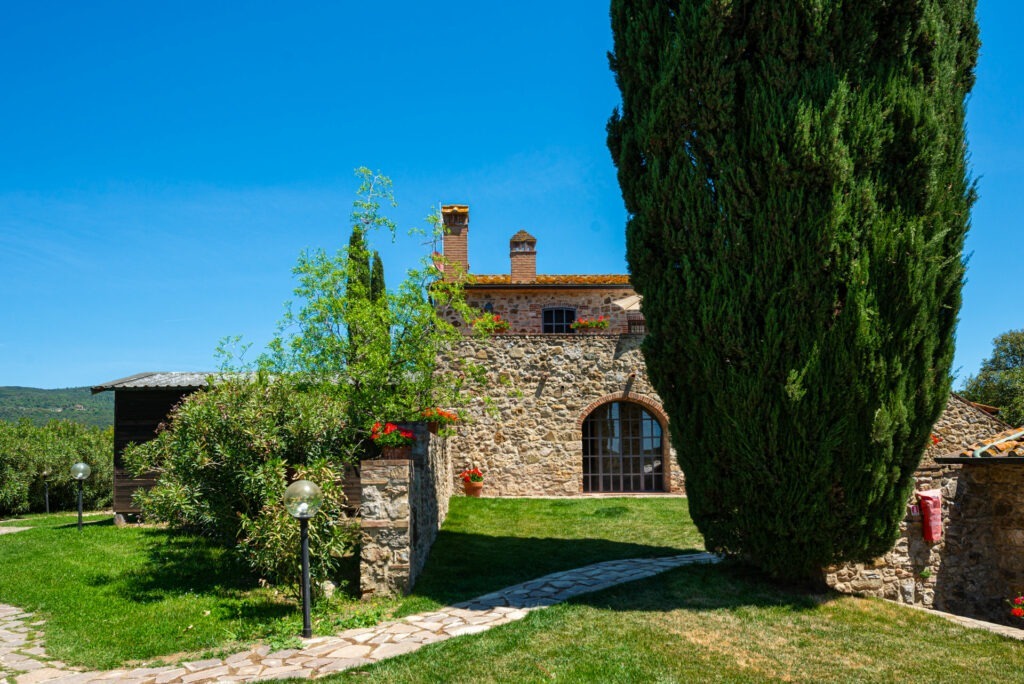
x,y
1000,382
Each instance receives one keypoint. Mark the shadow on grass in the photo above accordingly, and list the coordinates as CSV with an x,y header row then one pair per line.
x,y
106,522
726,586
180,565
463,566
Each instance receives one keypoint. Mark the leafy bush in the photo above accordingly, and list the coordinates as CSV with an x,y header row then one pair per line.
x,y
269,542
226,457
31,455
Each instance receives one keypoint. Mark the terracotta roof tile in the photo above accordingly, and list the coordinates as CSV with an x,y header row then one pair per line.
x,y
1006,443
568,279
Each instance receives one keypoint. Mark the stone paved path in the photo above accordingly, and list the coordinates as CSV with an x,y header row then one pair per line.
x,y
12,530
23,659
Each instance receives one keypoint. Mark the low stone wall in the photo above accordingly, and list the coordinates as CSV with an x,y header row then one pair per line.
x,y
404,503
526,435
429,496
979,562
909,572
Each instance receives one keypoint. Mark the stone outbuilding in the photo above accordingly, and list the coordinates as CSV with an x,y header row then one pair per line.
x,y
976,466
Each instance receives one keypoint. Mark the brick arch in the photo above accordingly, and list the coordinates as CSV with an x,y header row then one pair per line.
x,y
652,405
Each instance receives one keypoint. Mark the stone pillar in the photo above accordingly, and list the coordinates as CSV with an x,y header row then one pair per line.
x,y
386,526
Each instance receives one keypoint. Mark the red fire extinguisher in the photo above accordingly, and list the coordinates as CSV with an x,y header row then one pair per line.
x,y
931,514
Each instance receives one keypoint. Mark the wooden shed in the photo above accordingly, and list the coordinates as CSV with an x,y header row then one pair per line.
x,y
141,402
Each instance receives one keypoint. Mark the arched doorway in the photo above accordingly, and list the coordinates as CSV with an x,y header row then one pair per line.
x,y
622,450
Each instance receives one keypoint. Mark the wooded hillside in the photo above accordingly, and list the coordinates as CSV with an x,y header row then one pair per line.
x,y
40,406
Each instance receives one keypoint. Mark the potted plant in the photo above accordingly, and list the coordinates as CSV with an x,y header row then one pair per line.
x,y
437,417
472,482
489,324
1017,606
590,324
393,441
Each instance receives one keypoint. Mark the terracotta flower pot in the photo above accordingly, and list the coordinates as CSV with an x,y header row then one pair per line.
x,y
473,488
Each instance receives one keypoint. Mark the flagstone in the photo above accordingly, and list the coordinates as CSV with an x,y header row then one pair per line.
x,y
326,654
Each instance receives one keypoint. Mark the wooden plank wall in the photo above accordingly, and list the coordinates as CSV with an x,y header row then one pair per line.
x,y
137,413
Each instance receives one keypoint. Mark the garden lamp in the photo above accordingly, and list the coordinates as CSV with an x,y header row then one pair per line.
x,y
46,488
80,471
303,499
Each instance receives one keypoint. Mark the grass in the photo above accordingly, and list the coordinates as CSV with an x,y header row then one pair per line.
x,y
489,544
114,595
712,623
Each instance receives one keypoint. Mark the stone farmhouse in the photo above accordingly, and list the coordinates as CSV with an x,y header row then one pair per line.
x,y
568,410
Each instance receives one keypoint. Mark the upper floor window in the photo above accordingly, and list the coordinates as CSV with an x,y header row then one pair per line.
x,y
558,320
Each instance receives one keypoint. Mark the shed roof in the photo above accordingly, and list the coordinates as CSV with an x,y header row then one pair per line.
x,y
156,380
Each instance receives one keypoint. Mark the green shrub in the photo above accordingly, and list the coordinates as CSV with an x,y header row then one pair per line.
x,y
226,457
31,455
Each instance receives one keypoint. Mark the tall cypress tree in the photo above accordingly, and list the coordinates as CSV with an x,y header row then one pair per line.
x,y
795,177
359,281
377,285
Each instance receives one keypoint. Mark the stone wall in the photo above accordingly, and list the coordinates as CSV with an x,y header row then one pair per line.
x,y
404,503
960,426
526,435
522,307
432,489
979,562
983,563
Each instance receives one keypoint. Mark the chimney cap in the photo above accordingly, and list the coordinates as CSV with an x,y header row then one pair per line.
x,y
523,236
455,209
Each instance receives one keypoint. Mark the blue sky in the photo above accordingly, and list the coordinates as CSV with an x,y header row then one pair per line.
x,y
163,164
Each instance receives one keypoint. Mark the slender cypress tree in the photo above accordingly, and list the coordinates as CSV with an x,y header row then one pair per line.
x,y
377,286
796,182
359,280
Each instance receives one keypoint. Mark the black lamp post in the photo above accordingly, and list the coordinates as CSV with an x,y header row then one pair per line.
x,y
303,499
80,471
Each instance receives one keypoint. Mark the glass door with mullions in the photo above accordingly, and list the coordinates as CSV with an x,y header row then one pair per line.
x,y
622,450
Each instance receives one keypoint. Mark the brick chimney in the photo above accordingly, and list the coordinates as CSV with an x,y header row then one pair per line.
x,y
523,252
456,240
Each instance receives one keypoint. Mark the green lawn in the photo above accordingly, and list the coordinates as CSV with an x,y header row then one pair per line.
x,y
489,544
113,595
713,623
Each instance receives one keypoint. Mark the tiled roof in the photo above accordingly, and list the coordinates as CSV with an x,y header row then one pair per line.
x,y
1006,443
156,381
570,279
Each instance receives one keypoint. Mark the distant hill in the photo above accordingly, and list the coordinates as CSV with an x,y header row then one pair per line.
x,y
40,406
